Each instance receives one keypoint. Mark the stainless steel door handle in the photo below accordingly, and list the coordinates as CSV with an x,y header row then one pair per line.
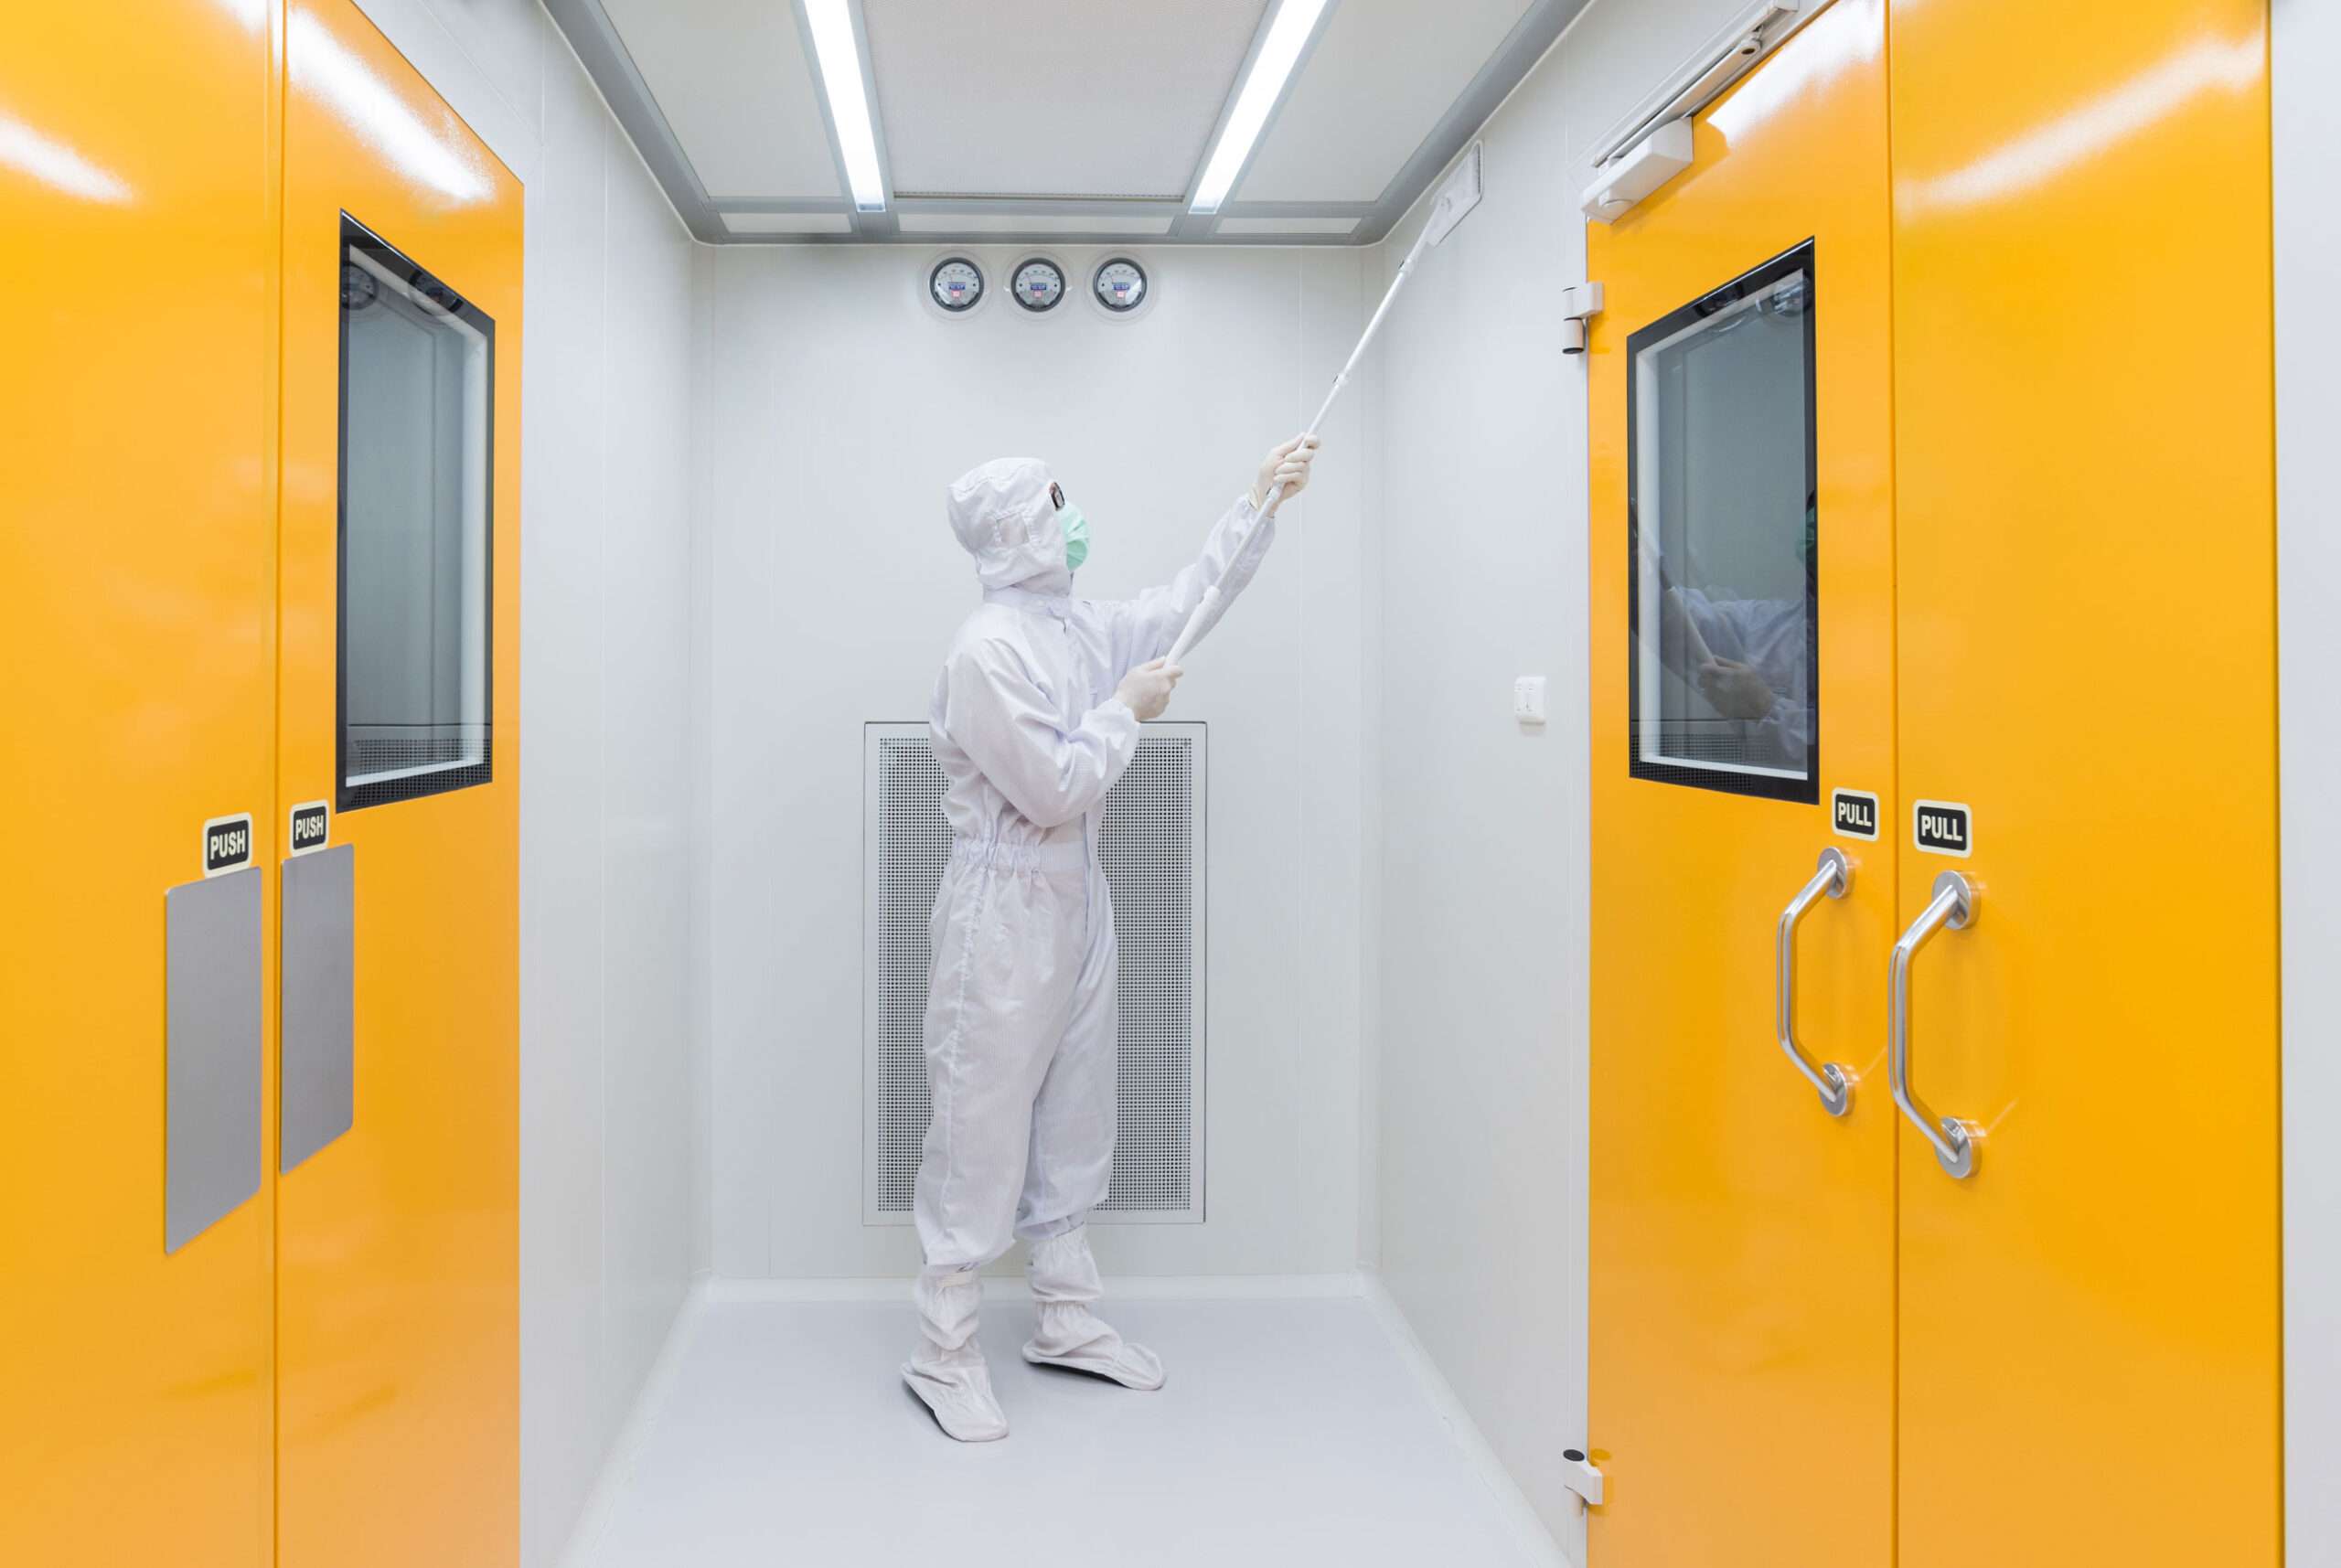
x,y
1952,905
1832,1081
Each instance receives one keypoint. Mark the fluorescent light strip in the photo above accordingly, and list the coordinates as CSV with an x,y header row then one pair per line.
x,y
1296,19
840,57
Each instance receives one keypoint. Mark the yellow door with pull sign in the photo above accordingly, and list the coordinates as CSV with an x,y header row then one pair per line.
x,y
2086,635
1742,1266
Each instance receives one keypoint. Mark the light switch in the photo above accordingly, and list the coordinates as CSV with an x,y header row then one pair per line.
x,y
1528,700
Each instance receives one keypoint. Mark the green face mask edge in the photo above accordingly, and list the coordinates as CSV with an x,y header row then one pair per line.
x,y
1076,536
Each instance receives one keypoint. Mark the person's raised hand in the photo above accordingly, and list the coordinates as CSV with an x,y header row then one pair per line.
x,y
1146,691
1288,466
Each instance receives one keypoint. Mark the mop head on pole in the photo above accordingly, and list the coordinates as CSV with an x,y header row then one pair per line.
x,y
1456,198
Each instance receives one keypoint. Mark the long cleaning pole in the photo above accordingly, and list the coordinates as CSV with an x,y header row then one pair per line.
x,y
1196,623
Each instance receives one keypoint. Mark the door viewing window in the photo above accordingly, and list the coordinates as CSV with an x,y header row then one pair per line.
x,y
1720,480
416,369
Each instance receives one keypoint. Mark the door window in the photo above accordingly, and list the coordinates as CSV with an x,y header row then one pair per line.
x,y
417,362
1721,478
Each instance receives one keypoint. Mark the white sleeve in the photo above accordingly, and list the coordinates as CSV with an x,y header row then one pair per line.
x,y
1146,626
1009,726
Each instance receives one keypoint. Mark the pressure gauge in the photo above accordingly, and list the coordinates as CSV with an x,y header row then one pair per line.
x,y
1040,284
955,284
1119,287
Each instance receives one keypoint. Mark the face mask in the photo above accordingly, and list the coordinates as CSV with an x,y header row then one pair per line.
x,y
1076,536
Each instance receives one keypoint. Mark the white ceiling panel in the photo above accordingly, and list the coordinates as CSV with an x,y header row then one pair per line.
x,y
1104,100
1382,73
1286,226
732,80
788,222
1044,223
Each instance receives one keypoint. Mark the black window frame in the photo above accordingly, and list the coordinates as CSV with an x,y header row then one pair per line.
x,y
357,236
1805,791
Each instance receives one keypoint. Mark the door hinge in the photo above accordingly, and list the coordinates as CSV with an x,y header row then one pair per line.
x,y
1580,302
1582,1476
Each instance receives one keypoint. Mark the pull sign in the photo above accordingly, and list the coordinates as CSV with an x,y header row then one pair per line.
x,y
1853,813
308,830
1942,828
226,843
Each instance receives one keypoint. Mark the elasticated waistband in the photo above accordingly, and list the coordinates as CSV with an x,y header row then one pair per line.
x,y
1064,855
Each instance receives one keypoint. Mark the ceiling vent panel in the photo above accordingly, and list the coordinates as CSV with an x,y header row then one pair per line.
x,y
1027,224
732,80
788,222
1066,101
1384,74
1259,226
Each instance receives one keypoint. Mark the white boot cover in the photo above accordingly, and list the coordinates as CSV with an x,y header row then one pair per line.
x,y
947,1370
1065,1282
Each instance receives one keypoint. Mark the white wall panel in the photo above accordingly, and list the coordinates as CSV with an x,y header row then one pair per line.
x,y
606,1043
1480,1020
2307,54
566,1410
835,410
642,633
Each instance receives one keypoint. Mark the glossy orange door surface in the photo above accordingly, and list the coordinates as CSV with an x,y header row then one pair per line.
x,y
399,1239
2086,633
137,640
1742,1267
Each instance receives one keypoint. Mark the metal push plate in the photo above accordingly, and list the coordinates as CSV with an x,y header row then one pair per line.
x,y
213,1045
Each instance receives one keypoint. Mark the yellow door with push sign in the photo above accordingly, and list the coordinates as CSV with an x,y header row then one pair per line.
x,y
137,652
399,1287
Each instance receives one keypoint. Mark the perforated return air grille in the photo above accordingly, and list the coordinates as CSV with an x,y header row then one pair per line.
x,y
1151,845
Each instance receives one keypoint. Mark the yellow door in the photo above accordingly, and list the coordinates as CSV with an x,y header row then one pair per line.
x,y
399,1235
2087,649
1741,1279
137,559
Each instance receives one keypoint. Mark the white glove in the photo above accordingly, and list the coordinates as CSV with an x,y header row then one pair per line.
x,y
1287,465
1146,691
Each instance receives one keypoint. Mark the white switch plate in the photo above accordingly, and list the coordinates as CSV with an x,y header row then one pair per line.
x,y
1528,700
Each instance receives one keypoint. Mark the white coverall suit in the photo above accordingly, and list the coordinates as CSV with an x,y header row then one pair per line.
x,y
1020,1029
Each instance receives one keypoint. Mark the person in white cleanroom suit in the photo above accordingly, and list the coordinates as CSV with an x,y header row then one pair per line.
x,y
1035,715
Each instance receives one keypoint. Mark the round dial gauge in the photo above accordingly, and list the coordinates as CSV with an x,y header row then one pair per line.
x,y
957,283
1121,284
1040,283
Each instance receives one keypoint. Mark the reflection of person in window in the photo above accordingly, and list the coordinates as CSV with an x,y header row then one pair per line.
x,y
1746,657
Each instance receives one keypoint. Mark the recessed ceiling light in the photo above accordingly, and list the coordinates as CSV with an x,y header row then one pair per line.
x,y
840,57
1295,20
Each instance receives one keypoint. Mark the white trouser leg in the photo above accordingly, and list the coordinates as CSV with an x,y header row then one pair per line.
x,y
1007,945
1007,941
1071,1162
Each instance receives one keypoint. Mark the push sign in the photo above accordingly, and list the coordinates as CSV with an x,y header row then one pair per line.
x,y
1942,828
226,843
1853,813
307,831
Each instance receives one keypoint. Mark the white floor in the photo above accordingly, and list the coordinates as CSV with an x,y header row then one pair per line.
x,y
1292,1431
